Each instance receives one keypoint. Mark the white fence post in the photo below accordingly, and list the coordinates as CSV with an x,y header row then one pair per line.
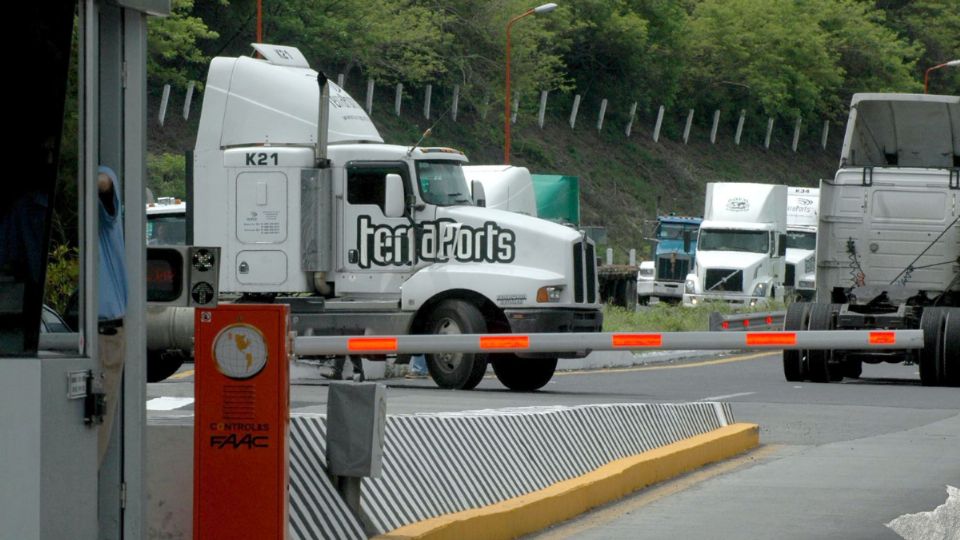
x,y
686,129
426,101
370,96
656,128
163,104
573,113
485,108
713,130
796,134
736,138
514,107
541,115
766,141
633,257
398,99
633,114
603,112
456,102
188,100
340,79
609,255
826,131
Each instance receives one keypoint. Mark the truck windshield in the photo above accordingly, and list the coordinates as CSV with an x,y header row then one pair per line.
x,y
802,240
732,240
442,183
167,230
674,231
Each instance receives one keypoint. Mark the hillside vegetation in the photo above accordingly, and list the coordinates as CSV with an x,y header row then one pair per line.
x,y
779,59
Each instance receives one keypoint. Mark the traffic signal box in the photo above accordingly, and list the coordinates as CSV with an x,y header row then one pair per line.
x,y
242,416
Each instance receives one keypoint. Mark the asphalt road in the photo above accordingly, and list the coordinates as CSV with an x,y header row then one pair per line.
x,y
837,460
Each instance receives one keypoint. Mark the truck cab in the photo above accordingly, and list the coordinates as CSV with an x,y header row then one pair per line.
x,y
741,245
676,246
363,237
801,270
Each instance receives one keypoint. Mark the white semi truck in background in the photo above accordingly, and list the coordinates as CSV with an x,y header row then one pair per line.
x,y
311,208
888,245
801,270
740,246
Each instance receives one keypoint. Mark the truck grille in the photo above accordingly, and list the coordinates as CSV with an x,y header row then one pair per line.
x,y
791,276
734,283
584,273
669,269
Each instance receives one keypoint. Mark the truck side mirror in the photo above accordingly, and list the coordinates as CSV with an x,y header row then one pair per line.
x,y
393,195
782,245
479,194
686,241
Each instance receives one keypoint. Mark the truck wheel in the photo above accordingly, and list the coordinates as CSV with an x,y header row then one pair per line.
x,y
821,318
523,374
794,369
951,350
162,364
462,371
931,322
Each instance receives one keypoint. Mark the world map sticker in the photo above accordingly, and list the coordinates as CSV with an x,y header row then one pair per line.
x,y
240,351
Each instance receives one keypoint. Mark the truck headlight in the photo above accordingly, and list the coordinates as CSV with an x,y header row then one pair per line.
x,y
760,289
548,294
807,284
689,286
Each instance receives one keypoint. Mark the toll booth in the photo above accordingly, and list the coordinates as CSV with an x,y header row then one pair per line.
x,y
51,484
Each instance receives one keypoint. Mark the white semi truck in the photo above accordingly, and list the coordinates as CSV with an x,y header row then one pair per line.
x,y
310,207
888,245
802,207
740,246
502,187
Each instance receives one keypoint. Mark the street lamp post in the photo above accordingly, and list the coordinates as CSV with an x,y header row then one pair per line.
x,y
545,8
926,74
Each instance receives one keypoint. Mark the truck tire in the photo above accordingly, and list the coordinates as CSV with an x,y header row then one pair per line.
x,y
821,318
951,350
931,322
462,371
523,374
852,368
794,365
162,364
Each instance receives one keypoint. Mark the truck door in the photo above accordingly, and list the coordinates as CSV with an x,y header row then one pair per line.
x,y
372,243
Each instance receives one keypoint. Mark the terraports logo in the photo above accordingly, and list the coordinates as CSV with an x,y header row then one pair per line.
x,y
439,241
804,207
738,204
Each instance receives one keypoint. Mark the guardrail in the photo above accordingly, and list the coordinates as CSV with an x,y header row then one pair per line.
x,y
771,320
618,341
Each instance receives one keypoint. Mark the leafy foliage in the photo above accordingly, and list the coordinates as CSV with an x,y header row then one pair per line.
x,y
63,275
166,175
173,44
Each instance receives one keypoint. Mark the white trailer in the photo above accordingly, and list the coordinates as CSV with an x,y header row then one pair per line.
x,y
740,246
801,271
310,207
888,249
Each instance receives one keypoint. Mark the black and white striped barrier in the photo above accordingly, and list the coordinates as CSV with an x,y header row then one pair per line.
x,y
617,341
772,320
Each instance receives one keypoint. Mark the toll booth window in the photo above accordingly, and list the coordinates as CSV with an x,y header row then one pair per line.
x,y
368,184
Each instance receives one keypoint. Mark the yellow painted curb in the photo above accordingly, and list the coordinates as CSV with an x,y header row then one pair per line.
x,y
564,500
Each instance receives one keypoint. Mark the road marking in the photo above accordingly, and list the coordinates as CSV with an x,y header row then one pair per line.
x,y
591,520
728,396
168,403
732,359
182,374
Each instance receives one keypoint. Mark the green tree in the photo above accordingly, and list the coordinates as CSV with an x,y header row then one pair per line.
x,y
174,55
935,24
